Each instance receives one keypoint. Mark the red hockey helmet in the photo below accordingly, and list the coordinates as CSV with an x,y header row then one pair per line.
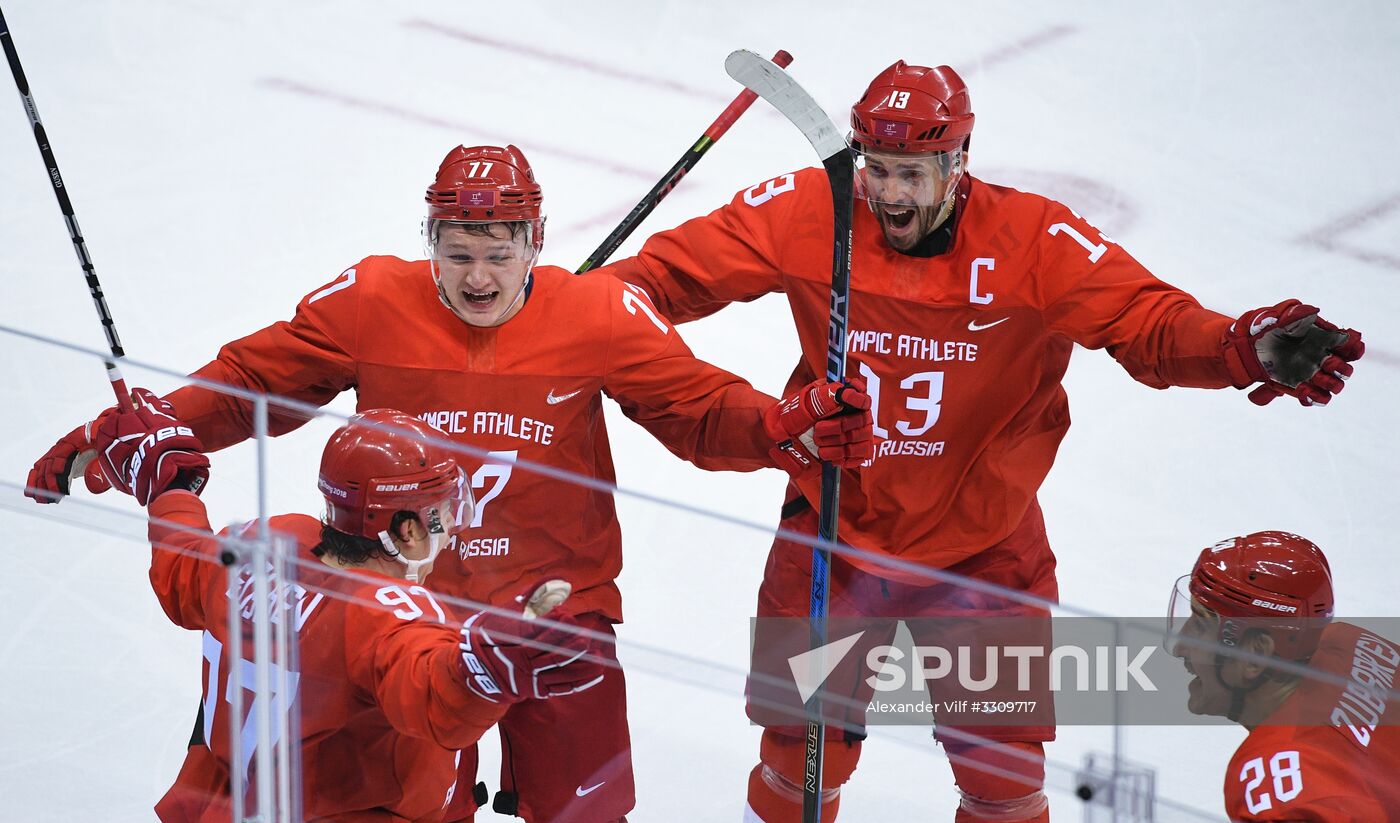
x,y
913,109
1271,581
370,473
484,184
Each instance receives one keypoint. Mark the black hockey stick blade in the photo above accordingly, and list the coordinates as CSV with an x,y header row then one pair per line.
x,y
777,87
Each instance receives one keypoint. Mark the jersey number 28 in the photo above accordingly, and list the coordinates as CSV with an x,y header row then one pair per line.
x,y
1286,770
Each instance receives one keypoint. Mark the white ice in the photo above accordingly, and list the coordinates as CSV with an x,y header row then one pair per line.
x,y
227,158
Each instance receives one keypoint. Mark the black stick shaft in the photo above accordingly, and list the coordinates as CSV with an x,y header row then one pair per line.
x,y
841,173
669,180
109,326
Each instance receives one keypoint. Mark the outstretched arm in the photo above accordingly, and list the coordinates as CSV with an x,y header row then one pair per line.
x,y
715,419
307,358
1100,297
732,254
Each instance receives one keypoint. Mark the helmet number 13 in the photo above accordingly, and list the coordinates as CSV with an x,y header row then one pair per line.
x,y
897,99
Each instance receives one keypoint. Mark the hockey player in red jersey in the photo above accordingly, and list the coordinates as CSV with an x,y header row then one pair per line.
x,y
389,685
514,359
966,299
1317,749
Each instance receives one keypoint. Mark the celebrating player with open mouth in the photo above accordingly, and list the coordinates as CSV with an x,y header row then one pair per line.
x,y
514,359
966,299
1317,749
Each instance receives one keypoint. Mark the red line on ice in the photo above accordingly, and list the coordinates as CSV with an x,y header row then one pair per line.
x,y
1347,222
1328,236
608,217
283,84
566,60
1025,44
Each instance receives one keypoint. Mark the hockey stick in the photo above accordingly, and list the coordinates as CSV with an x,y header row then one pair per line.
x,y
669,180
109,326
778,88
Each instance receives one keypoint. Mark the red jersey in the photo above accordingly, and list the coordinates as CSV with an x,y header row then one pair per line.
x,y
383,703
529,389
1329,752
963,352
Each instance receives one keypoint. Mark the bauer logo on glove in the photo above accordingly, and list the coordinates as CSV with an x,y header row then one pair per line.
x,y
148,452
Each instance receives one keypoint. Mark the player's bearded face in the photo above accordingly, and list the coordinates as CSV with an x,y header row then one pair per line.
x,y
482,269
908,193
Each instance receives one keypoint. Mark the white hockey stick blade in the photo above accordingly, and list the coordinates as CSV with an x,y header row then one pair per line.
x,y
782,92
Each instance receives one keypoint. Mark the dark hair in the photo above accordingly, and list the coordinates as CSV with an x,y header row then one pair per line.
x,y
351,550
515,227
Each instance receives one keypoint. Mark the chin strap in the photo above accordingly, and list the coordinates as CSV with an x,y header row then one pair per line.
x,y
413,574
946,210
520,296
1237,695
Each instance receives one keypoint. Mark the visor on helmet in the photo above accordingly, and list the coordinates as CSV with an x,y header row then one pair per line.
x,y
508,257
915,180
1178,612
432,236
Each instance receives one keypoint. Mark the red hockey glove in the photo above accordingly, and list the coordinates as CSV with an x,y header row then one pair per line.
x,y
148,452
71,456
506,659
823,421
1293,351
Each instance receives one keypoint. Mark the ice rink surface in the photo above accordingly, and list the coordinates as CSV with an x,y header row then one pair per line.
x,y
226,159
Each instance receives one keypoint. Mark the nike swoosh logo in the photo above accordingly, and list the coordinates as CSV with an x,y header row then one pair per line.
x,y
972,324
581,791
560,398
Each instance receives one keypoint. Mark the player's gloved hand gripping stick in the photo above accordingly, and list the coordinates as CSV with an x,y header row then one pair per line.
x,y
48,480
